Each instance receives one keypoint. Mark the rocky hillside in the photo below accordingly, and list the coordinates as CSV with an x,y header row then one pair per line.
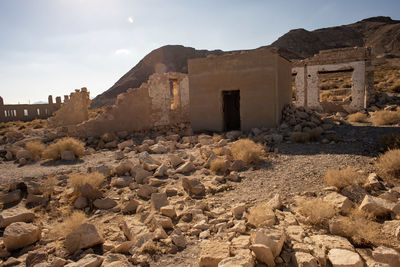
x,y
381,32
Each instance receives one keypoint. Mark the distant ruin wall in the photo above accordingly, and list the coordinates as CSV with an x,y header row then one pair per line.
x,y
357,59
73,111
27,112
162,100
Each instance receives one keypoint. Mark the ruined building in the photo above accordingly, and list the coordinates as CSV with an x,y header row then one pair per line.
x,y
74,110
357,61
27,112
161,101
239,91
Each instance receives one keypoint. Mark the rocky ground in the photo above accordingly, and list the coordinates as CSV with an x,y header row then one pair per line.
x,y
161,204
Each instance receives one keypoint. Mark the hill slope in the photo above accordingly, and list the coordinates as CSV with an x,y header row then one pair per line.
x,y
383,33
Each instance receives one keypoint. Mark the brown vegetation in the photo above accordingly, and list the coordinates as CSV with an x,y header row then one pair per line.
x,y
342,178
390,162
108,137
78,179
261,215
54,150
218,165
299,137
386,117
389,141
357,117
316,211
247,150
70,224
35,149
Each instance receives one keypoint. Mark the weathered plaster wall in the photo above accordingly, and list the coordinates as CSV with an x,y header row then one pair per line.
x,y
357,60
27,112
73,111
143,108
263,81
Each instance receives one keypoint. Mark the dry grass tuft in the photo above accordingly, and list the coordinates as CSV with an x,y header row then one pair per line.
x,y
261,215
357,117
248,151
316,211
54,150
108,137
78,179
70,224
389,141
35,149
219,165
359,228
48,185
299,137
386,117
390,162
342,178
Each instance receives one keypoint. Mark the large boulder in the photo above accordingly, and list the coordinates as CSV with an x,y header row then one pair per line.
x,y
85,236
342,203
20,234
377,206
344,258
12,215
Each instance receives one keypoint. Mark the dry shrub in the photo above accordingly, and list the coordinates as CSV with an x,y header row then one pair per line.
x,y
70,224
299,137
247,151
389,141
219,151
35,149
314,134
54,150
78,179
108,137
216,137
359,228
316,211
325,96
219,165
395,87
342,178
386,117
261,215
390,162
48,185
357,117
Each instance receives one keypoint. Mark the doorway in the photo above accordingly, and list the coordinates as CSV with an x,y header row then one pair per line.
x,y
231,109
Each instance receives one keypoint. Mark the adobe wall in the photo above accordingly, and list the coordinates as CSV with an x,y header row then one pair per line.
x,y
27,112
358,60
262,77
162,100
73,111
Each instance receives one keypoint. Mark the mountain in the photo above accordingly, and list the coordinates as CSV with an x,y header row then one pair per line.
x,y
382,33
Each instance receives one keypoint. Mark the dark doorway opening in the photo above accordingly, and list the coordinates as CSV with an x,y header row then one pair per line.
x,y
231,108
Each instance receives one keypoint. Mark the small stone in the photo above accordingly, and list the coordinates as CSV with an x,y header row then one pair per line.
x,y
263,254
237,165
163,221
35,257
344,258
85,236
11,197
377,206
213,252
67,155
158,149
161,171
302,259
342,203
242,258
168,211
89,192
141,175
186,167
193,186
145,191
131,206
171,191
275,202
90,260
270,237
158,200
175,160
20,234
386,255
160,233
178,238
238,211
328,242
19,214
81,202
105,203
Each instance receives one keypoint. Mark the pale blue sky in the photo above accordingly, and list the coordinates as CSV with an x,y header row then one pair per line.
x,y
54,46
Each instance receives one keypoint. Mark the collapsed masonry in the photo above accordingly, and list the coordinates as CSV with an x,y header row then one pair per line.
x,y
357,60
162,101
74,110
28,112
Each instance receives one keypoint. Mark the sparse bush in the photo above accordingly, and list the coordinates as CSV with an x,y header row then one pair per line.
x,y
247,150
395,87
48,185
359,228
70,224
108,137
386,117
342,178
325,96
54,150
35,149
389,141
314,134
219,165
299,137
261,215
390,162
78,179
357,117
316,211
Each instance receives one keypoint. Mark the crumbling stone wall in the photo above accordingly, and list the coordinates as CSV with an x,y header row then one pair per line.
x,y
27,112
163,100
357,59
73,111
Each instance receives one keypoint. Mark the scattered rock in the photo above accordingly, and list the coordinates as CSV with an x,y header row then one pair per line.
x,y
386,255
105,203
168,211
302,259
90,260
238,211
178,238
193,186
213,252
81,202
12,215
159,200
342,203
11,197
85,236
377,206
270,237
161,171
263,254
89,192
344,258
131,206
20,234
67,155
